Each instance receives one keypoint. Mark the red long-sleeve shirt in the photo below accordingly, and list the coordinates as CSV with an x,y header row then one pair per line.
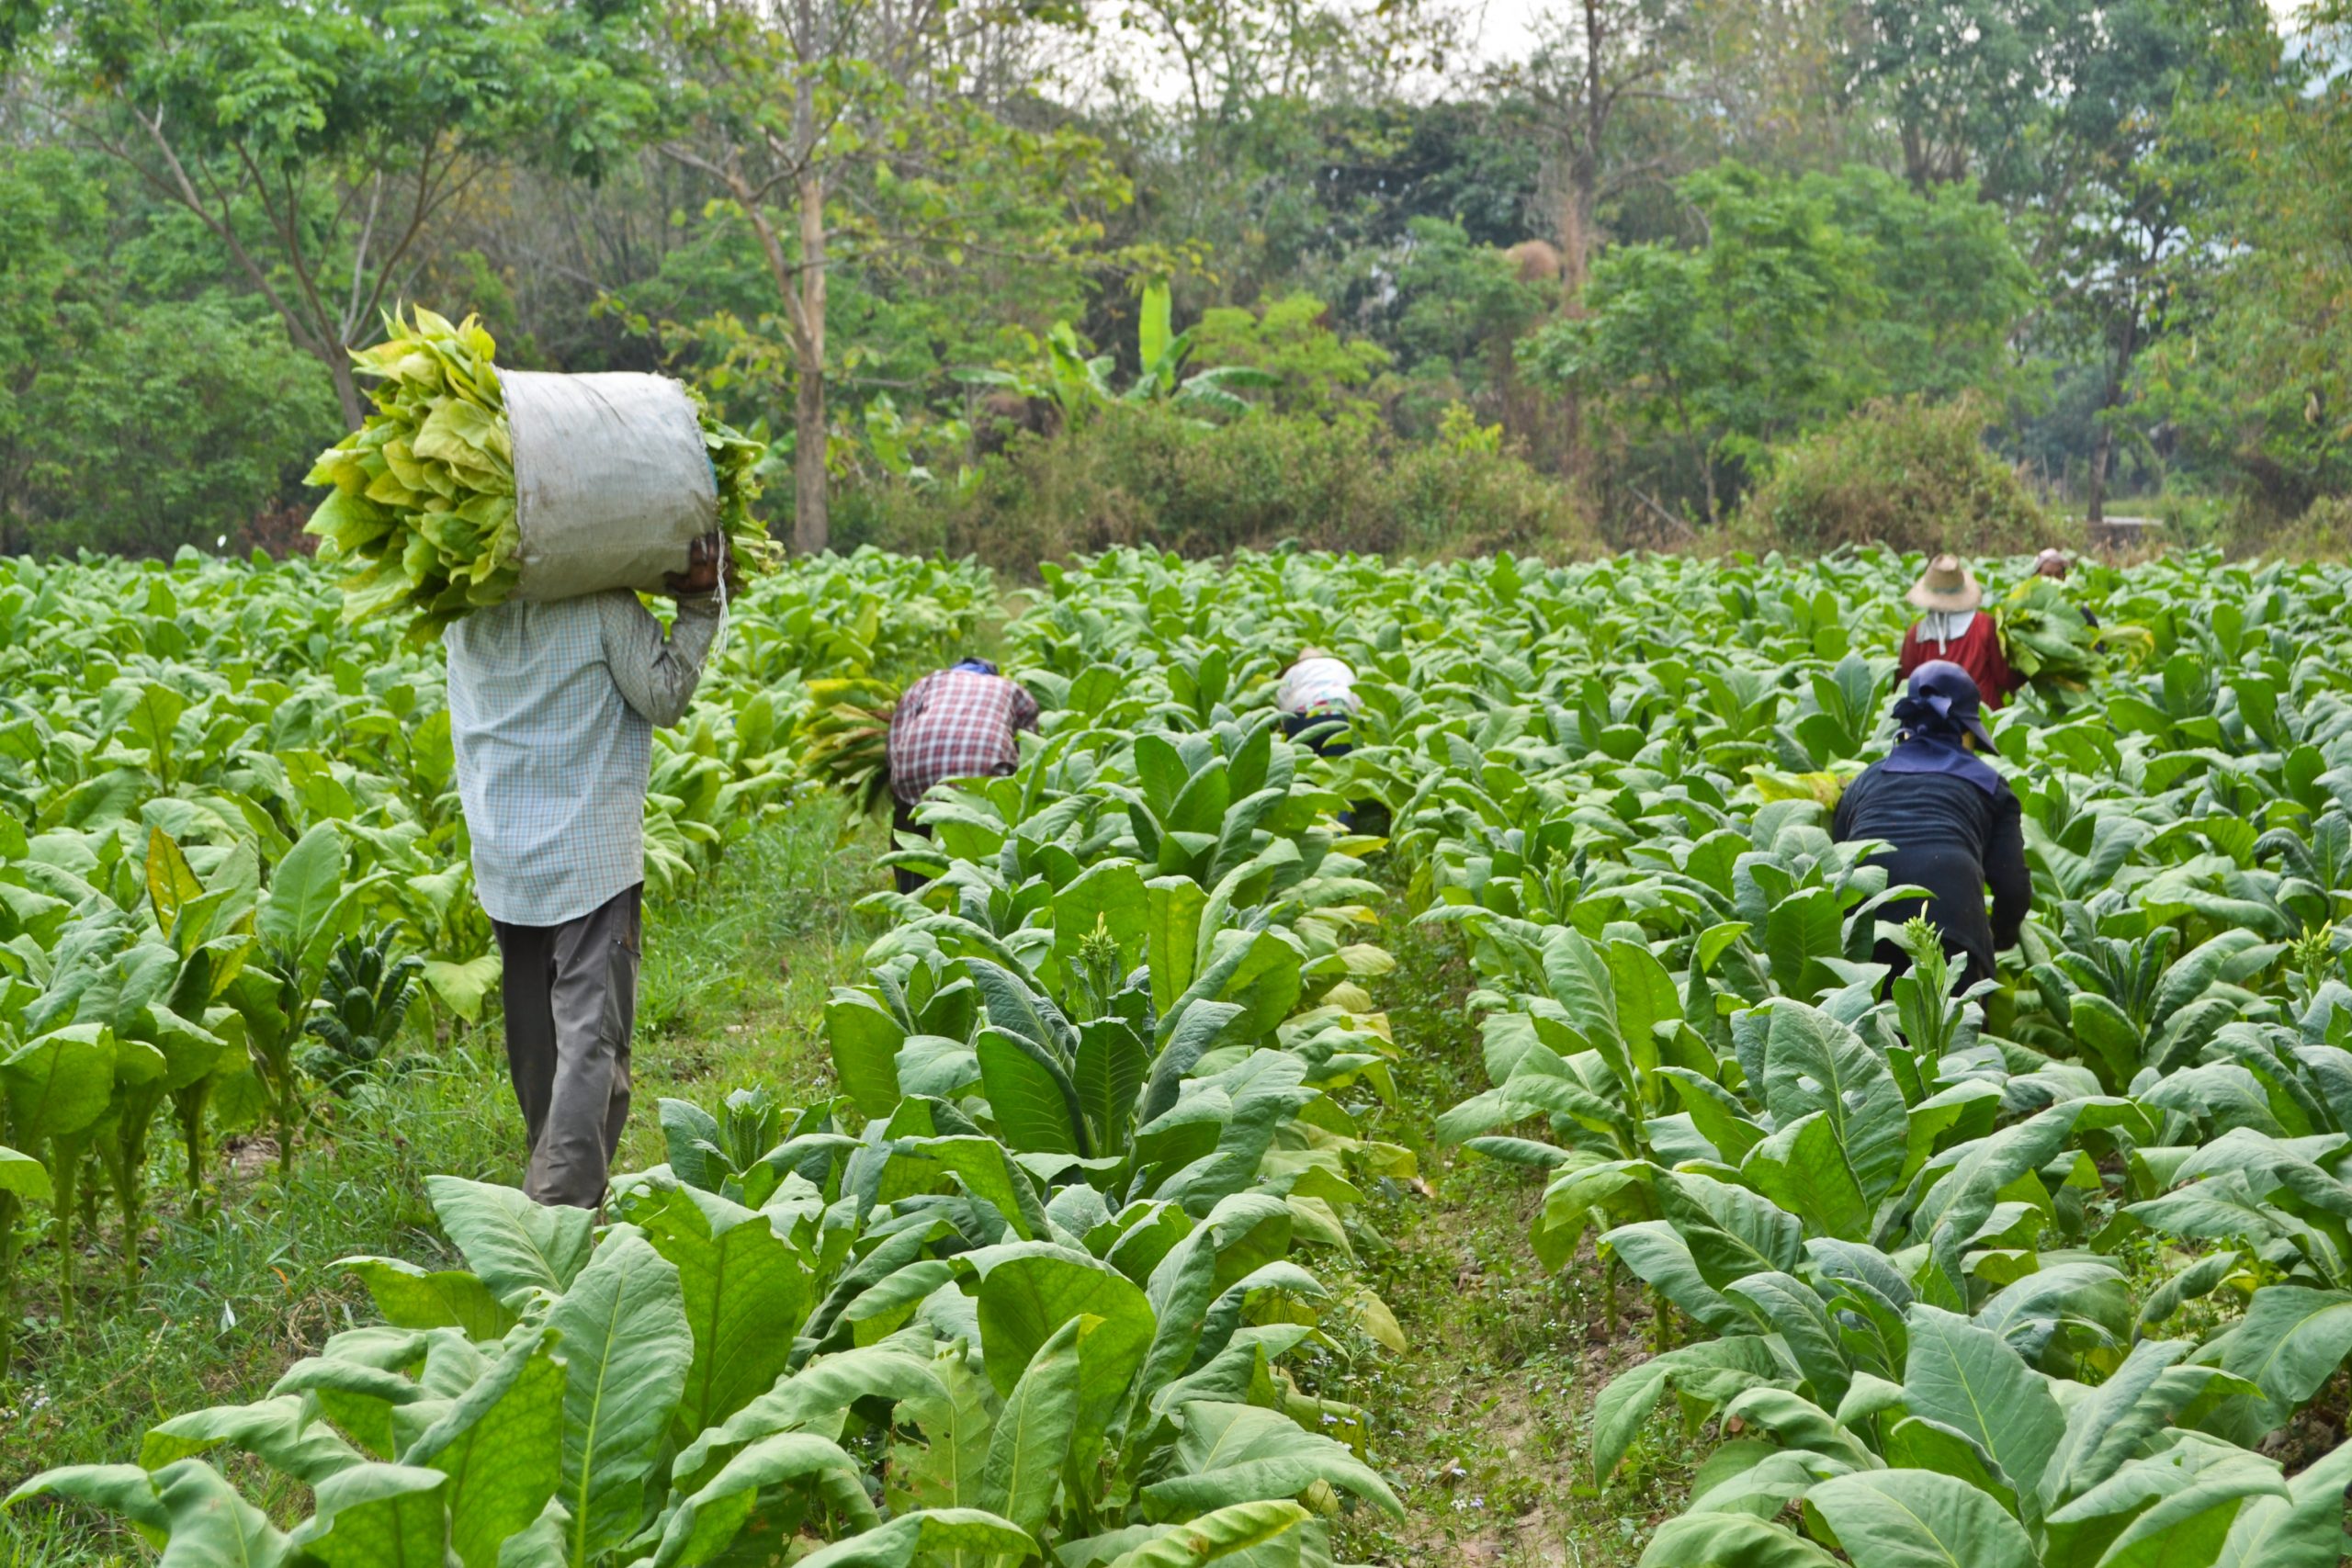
x,y
1976,650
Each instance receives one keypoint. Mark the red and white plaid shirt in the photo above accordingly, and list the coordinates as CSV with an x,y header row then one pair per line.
x,y
956,724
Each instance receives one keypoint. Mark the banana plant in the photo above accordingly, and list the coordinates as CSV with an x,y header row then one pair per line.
x,y
1081,385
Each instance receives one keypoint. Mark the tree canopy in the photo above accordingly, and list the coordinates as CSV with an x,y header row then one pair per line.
x,y
1650,247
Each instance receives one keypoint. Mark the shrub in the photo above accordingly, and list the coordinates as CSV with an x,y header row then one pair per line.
x,y
2323,532
1910,475
1147,475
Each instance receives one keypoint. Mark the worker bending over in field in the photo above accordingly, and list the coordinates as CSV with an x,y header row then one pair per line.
x,y
952,724
1316,698
1956,631
2053,565
552,708
1953,823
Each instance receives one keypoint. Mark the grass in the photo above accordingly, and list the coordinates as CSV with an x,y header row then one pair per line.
x,y
731,994
1482,1422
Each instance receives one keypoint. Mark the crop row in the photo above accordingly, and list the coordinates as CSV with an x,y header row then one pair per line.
x,y
222,813
2051,1273
1026,1286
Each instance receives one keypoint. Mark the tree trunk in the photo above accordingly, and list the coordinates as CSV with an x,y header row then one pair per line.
x,y
812,522
2103,447
1576,239
2095,508
346,386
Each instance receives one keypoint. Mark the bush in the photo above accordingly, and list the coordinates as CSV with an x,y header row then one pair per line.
x,y
1909,475
1147,476
174,423
2323,533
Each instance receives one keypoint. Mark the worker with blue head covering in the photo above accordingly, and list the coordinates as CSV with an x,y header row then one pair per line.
x,y
1954,824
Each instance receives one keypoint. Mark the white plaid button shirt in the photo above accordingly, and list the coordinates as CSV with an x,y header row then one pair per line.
x,y
551,713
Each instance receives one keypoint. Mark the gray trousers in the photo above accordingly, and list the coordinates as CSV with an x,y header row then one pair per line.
x,y
570,995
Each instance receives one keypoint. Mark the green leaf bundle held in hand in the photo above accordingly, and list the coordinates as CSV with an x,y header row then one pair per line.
x,y
2046,639
424,506
846,736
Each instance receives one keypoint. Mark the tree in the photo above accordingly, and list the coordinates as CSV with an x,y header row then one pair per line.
x,y
2255,383
1597,62
318,144
1966,82
2123,184
857,134
1809,296
129,421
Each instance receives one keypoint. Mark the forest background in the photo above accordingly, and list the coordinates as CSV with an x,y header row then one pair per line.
x,y
1020,277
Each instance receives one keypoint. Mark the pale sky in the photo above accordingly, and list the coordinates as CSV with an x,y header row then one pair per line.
x,y
1508,26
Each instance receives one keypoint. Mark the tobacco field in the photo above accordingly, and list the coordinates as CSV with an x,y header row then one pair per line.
x,y
1073,1250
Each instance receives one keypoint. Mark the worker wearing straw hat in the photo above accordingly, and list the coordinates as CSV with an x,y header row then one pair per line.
x,y
1956,630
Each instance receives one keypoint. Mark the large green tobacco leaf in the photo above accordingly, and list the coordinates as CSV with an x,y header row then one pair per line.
x,y
376,1514
1788,1306
1720,1368
2105,1427
125,1489
1801,1168
410,1297
1238,1453
305,894
1731,1232
1662,1259
284,1433
1917,1519
1968,1379
955,1423
59,1084
209,1525
515,1245
709,1518
1730,1541
1034,1429
864,1040
1241,1233
2303,1529
1171,933
927,1535
900,1369
627,1350
1813,1064
1238,1529
1015,1006
502,1445
2177,1505
1037,1108
1028,1293
2292,1339
1108,1074
746,1290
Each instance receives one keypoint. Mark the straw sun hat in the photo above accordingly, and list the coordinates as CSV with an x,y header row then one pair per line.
x,y
1946,585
